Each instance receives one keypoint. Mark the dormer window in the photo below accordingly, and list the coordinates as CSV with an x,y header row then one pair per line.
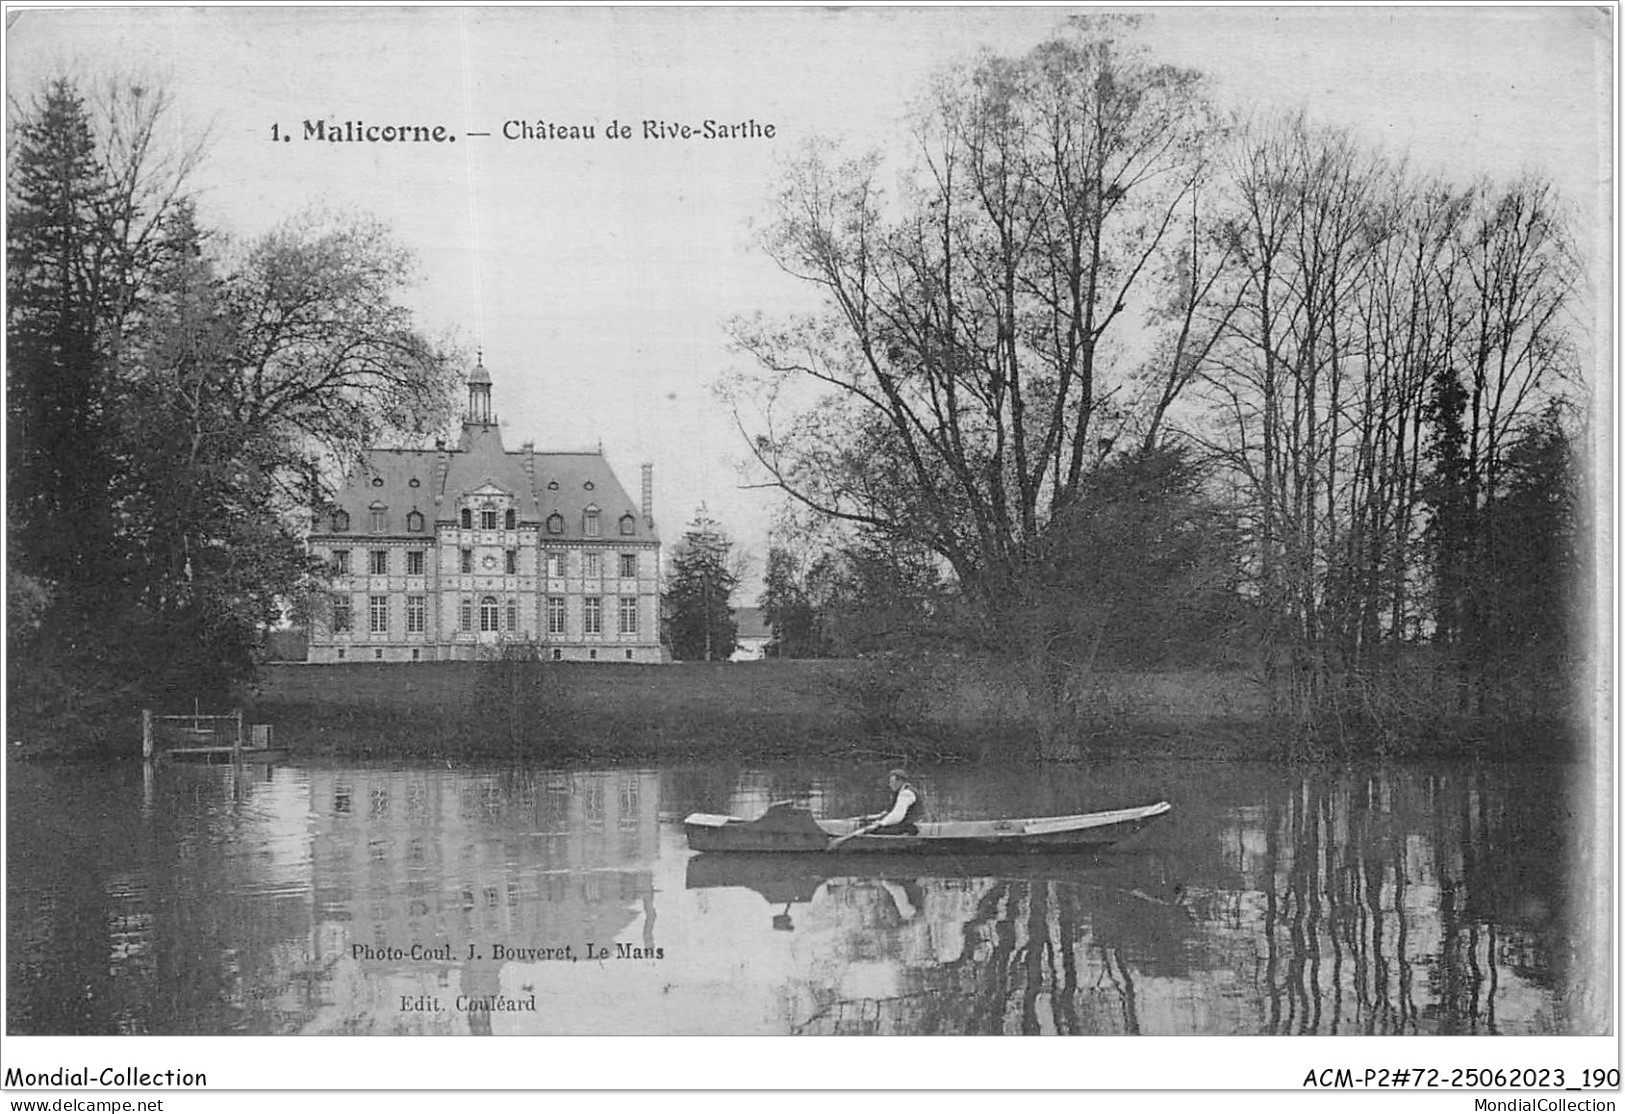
x,y
414,522
341,522
488,518
380,518
629,525
555,523
589,522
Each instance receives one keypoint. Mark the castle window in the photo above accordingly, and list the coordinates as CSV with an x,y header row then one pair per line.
x,y
555,614
414,562
592,565
511,560
558,655
378,562
628,655
589,522
629,615
555,523
341,562
488,518
341,522
510,519
378,614
629,525
413,482
488,613
417,614
467,519
629,566
513,615
380,518
465,615
414,522
555,564
593,654
592,615
468,560
341,614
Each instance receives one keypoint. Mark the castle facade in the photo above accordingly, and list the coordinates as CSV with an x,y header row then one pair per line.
x,y
468,552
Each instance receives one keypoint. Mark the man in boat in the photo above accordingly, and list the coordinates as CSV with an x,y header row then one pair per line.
x,y
908,806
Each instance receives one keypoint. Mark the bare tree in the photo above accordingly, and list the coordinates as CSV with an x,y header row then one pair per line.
x,y
966,374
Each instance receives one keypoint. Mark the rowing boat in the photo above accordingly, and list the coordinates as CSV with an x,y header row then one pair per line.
x,y
786,828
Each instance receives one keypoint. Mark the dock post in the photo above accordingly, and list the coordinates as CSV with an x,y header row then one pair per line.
x,y
237,747
146,734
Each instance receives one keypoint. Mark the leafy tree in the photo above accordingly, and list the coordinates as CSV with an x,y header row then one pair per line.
x,y
701,623
173,407
786,608
1143,571
324,354
873,596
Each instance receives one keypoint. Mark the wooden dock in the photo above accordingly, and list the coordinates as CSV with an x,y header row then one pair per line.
x,y
256,747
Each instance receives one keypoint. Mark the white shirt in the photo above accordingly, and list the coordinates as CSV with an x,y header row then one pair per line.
x,y
899,808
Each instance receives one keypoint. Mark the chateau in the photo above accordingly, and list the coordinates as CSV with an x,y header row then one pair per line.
x,y
457,553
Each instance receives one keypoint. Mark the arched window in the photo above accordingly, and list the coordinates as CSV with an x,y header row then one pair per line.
x,y
629,525
589,521
341,522
414,522
467,519
510,521
488,613
380,518
555,523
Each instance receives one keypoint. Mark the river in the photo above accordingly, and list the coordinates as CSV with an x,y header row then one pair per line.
x,y
343,897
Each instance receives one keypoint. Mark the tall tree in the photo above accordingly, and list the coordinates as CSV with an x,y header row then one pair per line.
x,y
786,608
962,381
172,408
57,365
701,623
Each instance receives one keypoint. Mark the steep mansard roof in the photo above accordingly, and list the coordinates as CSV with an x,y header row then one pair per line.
x,y
553,483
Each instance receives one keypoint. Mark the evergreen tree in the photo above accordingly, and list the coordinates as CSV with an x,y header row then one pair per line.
x,y
58,464
701,620
170,413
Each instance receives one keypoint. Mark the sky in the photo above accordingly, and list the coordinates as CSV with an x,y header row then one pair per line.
x,y
598,276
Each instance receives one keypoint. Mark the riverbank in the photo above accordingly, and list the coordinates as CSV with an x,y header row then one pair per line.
x,y
872,711
778,709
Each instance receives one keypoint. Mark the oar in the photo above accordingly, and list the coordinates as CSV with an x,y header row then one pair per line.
x,y
838,840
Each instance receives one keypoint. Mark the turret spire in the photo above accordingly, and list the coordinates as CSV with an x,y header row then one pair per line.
x,y
479,392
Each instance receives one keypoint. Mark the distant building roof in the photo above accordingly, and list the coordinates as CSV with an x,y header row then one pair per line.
x,y
543,484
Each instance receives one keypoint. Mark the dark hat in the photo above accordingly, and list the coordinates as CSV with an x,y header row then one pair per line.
x,y
898,773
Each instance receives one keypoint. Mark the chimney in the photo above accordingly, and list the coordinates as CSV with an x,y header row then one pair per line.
x,y
442,464
528,462
648,495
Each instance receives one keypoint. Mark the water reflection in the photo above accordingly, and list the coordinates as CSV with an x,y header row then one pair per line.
x,y
373,899
983,944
